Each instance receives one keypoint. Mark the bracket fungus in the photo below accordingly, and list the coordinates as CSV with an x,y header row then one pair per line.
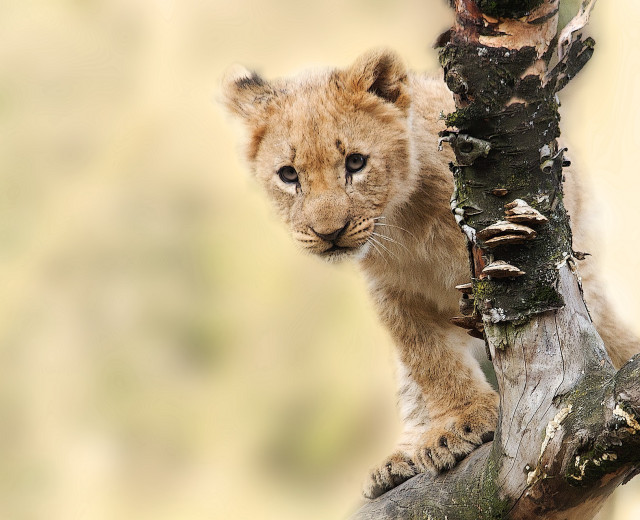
x,y
520,212
501,269
473,325
505,233
465,322
465,288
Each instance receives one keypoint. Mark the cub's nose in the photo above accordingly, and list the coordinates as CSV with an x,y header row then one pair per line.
x,y
333,235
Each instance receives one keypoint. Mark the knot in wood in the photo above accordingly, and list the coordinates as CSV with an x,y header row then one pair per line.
x,y
468,149
456,82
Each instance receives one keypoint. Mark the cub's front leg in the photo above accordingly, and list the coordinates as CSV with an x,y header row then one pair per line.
x,y
447,407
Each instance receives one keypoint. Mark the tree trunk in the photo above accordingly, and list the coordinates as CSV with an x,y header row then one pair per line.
x,y
569,424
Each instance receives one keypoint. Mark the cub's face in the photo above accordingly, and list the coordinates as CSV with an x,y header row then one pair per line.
x,y
331,150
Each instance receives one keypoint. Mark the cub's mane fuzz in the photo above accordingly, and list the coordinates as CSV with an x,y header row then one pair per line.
x,y
380,73
377,82
245,93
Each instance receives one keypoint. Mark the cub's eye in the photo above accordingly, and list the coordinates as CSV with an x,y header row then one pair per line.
x,y
288,174
355,162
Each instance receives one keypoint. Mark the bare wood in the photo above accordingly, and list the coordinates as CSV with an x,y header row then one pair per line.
x,y
544,462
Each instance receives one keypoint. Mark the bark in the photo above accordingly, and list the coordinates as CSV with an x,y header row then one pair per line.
x,y
569,429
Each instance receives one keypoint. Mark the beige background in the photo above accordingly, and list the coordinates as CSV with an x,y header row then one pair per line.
x,y
166,352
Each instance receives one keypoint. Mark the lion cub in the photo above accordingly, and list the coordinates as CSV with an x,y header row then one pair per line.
x,y
350,160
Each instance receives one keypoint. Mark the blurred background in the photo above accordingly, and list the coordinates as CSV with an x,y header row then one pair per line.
x,y
166,352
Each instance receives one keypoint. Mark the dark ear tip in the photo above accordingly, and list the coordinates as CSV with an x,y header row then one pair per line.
x,y
238,77
381,62
381,72
249,82
244,92
385,58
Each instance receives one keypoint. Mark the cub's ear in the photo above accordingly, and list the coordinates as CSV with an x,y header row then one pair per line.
x,y
245,93
380,72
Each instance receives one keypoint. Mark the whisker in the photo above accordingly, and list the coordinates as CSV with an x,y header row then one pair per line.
x,y
371,241
397,227
383,247
385,237
389,239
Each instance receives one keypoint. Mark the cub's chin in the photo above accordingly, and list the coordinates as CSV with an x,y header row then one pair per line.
x,y
336,253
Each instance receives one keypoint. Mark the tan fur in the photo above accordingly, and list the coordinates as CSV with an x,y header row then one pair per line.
x,y
396,220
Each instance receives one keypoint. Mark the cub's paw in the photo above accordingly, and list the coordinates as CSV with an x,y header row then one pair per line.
x,y
453,437
391,473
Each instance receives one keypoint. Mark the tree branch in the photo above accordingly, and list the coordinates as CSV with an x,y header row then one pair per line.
x,y
569,428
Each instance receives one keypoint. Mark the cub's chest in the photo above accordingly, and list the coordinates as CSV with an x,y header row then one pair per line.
x,y
429,273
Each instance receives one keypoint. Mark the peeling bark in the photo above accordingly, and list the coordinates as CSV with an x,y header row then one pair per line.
x,y
569,429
